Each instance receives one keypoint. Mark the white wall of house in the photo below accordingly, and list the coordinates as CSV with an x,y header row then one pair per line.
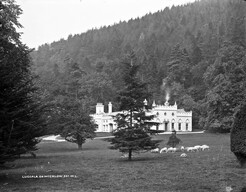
x,y
169,118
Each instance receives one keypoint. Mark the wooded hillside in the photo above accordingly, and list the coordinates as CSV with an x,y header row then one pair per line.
x,y
196,52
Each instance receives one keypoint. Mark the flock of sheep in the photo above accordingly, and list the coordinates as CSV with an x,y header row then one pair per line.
x,y
174,149
182,149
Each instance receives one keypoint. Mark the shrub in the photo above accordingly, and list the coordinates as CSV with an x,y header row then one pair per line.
x,y
173,140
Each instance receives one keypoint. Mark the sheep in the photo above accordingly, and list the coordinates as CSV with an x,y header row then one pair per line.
x,y
190,149
183,155
156,150
182,148
124,155
163,149
197,147
203,147
171,149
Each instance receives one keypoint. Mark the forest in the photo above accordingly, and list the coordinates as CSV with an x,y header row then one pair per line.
x,y
194,52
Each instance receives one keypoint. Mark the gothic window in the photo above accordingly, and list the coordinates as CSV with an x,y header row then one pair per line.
x,y
172,126
187,125
173,121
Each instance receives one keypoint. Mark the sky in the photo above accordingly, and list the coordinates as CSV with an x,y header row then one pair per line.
x,y
46,21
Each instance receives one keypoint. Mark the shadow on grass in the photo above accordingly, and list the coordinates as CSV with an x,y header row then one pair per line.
x,y
141,159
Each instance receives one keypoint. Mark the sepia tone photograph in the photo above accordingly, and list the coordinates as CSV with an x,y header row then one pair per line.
x,y
123,95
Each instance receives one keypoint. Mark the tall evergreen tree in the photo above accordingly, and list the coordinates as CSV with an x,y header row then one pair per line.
x,y
71,116
132,133
20,111
179,66
75,123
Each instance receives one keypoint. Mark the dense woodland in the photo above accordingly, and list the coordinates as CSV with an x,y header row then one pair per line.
x,y
195,52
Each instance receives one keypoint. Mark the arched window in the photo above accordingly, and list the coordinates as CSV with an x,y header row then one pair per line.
x,y
165,113
180,124
173,121
187,125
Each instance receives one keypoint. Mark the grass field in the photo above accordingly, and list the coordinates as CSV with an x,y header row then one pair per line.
x,y
97,168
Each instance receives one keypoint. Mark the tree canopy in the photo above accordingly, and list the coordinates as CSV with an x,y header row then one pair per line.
x,y
21,112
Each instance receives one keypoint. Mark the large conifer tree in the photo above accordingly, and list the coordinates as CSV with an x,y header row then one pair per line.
x,y
20,115
132,133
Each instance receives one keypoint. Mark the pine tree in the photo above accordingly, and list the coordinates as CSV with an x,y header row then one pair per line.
x,y
132,133
71,113
21,113
179,66
75,123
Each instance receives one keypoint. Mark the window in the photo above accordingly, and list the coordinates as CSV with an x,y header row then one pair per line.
x,y
166,126
157,113
172,114
172,126
179,126
165,113
187,125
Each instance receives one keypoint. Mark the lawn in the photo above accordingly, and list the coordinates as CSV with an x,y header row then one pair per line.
x,y
97,168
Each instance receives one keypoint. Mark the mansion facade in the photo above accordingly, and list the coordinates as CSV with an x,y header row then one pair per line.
x,y
167,118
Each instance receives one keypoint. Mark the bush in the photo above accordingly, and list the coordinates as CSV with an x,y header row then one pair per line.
x,y
238,136
173,140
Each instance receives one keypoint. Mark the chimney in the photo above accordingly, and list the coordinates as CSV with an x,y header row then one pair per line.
x,y
99,108
154,105
109,107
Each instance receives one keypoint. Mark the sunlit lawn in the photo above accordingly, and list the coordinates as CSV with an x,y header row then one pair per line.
x,y
98,168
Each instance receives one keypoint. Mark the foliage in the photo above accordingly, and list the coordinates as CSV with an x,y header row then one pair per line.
x,y
180,44
132,133
21,111
70,115
173,141
238,135
226,81
75,123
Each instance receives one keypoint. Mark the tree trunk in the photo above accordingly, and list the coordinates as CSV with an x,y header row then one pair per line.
x,y
130,155
80,146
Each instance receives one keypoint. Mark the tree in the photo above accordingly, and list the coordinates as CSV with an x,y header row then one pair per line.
x,y
179,66
71,115
21,112
226,83
76,125
238,135
132,133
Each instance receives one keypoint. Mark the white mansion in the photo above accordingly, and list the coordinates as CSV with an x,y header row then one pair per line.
x,y
168,118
